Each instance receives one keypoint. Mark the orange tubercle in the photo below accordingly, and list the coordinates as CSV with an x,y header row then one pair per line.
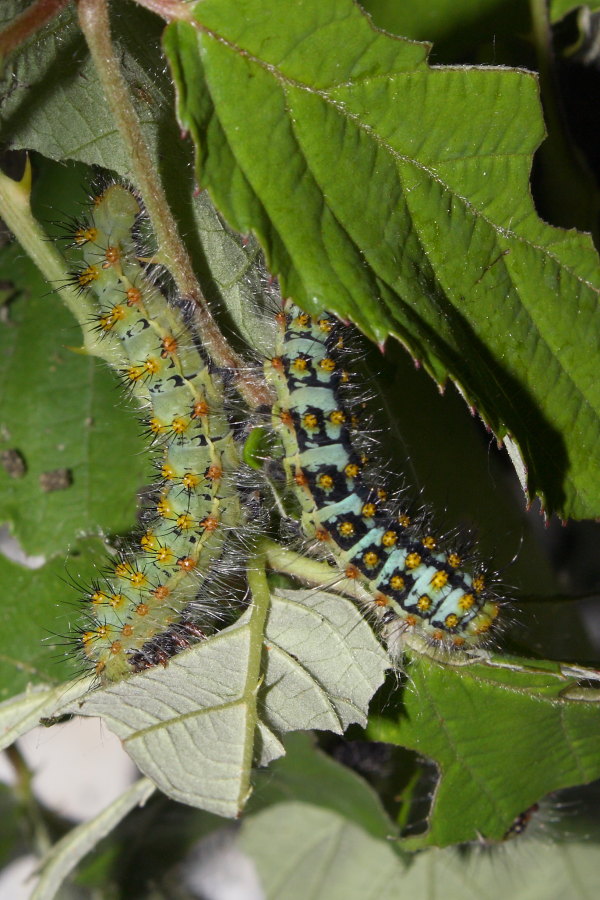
x,y
210,523
112,255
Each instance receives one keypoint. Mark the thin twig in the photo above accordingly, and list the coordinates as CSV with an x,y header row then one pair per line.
x,y
95,24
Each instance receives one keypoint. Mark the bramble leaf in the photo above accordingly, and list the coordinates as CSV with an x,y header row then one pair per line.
x,y
396,195
54,103
560,8
302,850
309,775
483,723
59,410
306,851
23,712
300,660
38,612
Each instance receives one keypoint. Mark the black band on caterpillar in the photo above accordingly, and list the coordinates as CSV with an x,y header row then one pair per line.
x,y
407,576
136,607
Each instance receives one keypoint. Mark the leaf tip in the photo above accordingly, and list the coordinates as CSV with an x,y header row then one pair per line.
x,y
26,179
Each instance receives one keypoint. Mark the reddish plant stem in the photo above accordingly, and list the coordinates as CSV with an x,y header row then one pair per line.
x,y
95,24
28,22
170,10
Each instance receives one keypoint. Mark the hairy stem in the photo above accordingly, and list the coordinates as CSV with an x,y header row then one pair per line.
x,y
170,10
95,24
27,23
261,599
312,571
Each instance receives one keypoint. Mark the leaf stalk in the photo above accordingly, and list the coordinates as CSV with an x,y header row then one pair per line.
x,y
95,23
28,23
170,10
261,599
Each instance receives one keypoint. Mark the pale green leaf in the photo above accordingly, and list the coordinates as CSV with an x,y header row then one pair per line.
x,y
323,662
303,851
22,713
191,727
524,870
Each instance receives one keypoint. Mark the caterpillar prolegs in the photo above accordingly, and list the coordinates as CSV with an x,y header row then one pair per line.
x,y
135,614
410,579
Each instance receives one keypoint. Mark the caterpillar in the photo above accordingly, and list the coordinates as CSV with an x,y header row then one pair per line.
x,y
412,582
136,610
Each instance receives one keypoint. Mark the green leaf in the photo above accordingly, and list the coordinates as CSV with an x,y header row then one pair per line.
x,y
64,856
38,608
308,775
22,713
560,8
397,196
527,870
303,851
503,733
59,411
54,102
457,28
318,668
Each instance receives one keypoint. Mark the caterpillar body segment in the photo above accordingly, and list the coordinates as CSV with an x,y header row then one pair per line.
x,y
137,608
414,583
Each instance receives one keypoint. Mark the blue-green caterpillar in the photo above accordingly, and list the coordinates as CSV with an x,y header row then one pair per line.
x,y
410,580
135,618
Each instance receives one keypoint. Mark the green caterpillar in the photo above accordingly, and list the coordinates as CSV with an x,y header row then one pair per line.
x,y
414,585
136,617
